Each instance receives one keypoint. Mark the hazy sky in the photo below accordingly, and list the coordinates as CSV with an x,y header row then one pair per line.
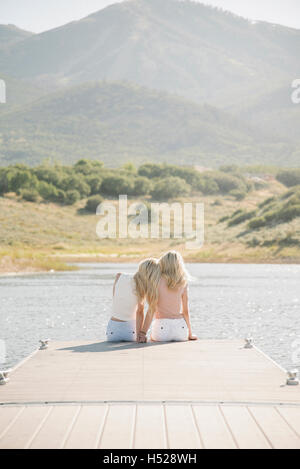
x,y
40,15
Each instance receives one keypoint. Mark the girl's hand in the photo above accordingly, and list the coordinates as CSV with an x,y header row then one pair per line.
x,y
141,338
193,337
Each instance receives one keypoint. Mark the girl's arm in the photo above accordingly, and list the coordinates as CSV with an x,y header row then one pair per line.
x,y
139,318
147,323
115,283
186,315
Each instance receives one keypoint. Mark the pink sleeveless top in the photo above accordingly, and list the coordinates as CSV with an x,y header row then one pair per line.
x,y
169,301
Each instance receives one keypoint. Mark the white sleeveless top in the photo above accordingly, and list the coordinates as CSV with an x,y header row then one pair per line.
x,y
125,300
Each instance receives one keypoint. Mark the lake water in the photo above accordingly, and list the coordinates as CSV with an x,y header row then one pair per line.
x,y
226,301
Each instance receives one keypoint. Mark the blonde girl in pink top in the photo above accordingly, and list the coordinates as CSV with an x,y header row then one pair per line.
x,y
171,317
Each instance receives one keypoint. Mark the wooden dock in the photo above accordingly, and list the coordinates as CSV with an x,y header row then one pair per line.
x,y
205,394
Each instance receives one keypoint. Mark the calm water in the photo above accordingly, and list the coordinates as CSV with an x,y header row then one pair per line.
x,y
226,301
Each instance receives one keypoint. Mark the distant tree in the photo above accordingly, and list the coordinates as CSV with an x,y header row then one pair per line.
x,y
227,182
4,181
60,197
48,192
87,167
142,186
72,197
117,185
21,179
95,184
78,183
52,175
210,187
169,188
151,170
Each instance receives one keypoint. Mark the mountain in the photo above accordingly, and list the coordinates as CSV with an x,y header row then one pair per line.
x,y
117,122
196,51
19,93
276,114
10,34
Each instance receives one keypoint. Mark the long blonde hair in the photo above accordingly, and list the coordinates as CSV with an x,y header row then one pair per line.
x,y
146,281
173,270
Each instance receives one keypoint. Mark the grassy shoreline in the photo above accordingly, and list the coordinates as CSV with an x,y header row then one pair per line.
x,y
30,263
21,263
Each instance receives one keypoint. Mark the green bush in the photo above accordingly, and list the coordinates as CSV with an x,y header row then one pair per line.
x,y
267,202
287,214
117,185
92,203
4,181
78,183
169,188
289,177
52,175
94,183
152,170
71,197
257,223
30,195
223,219
228,183
142,186
47,191
241,218
210,187
238,194
87,167
217,203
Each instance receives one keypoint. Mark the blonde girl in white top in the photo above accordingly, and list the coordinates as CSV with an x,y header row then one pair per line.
x,y
130,291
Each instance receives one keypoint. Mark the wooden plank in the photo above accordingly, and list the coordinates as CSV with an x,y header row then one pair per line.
x,y
212,428
119,427
86,428
149,430
54,431
181,429
276,430
7,417
246,432
20,433
150,426
292,416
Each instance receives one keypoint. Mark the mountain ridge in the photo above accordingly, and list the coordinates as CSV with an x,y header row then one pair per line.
x,y
10,34
180,46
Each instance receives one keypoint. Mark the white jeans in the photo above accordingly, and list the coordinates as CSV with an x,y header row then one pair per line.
x,y
121,331
169,330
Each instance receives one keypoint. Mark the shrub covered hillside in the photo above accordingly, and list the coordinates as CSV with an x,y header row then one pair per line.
x,y
65,185
271,223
